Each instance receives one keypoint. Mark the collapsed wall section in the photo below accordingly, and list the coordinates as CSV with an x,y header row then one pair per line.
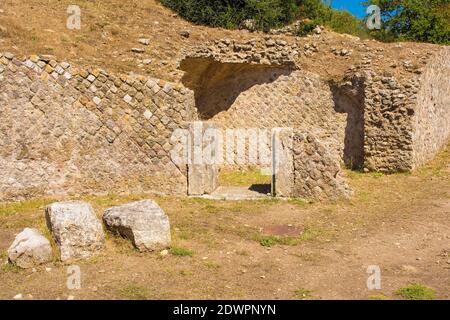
x,y
69,131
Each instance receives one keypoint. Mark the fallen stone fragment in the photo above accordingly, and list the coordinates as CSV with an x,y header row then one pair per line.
x,y
184,34
143,41
142,222
77,231
30,248
18,297
138,50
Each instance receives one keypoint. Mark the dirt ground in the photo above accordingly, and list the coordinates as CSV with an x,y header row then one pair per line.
x,y
226,250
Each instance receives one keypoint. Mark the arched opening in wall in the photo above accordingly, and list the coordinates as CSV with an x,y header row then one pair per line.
x,y
349,99
217,85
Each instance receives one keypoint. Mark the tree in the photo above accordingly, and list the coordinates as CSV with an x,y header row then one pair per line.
x,y
415,20
267,14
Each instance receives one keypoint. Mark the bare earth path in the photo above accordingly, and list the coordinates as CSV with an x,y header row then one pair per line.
x,y
399,222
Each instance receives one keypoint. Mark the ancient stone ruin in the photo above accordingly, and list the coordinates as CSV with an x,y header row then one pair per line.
x,y
66,130
79,235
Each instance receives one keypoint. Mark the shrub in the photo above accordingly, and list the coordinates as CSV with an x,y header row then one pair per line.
x,y
416,292
267,14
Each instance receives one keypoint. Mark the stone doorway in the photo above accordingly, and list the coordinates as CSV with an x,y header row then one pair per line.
x,y
203,176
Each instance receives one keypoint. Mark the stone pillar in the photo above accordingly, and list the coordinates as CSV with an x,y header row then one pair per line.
x,y
282,162
202,158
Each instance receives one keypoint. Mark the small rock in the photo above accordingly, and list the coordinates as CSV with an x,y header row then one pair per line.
x,y
144,41
70,298
30,248
184,34
164,253
8,55
48,269
344,52
18,297
410,269
317,30
147,61
138,50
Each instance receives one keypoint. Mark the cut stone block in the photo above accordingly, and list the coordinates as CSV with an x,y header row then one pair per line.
x,y
202,166
76,229
282,162
30,248
142,222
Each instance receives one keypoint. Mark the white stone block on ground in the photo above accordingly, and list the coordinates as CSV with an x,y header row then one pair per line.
x,y
76,229
30,248
142,222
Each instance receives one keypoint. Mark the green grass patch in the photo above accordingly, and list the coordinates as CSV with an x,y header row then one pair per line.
x,y
270,241
133,292
416,292
9,267
243,178
303,293
181,252
12,208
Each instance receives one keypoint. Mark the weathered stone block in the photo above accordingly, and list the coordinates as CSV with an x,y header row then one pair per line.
x,y
202,160
30,248
143,222
282,162
76,229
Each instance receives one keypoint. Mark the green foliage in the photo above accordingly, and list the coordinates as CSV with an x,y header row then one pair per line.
x,y
267,14
230,14
414,20
270,241
305,28
416,292
339,21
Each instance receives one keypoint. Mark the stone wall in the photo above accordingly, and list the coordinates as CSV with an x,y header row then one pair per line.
x,y
400,121
271,90
431,120
305,168
65,130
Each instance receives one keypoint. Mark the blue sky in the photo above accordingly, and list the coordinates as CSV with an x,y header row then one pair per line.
x,y
354,6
